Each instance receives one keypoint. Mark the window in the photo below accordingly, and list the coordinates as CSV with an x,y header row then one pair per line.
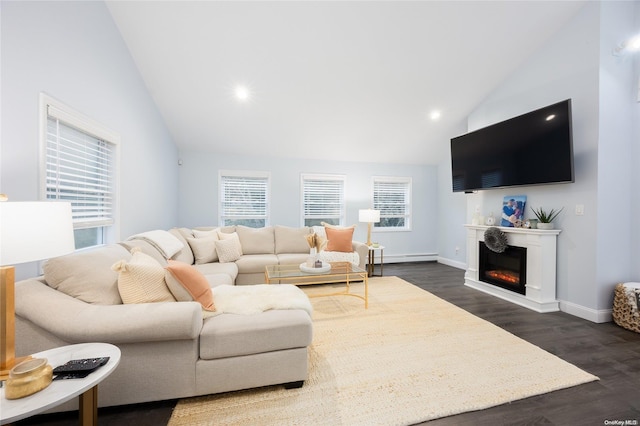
x,y
244,198
79,164
323,199
392,196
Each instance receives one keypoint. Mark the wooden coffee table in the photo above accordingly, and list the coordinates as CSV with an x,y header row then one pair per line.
x,y
341,272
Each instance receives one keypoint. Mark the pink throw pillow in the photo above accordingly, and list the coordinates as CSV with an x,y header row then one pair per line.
x,y
181,276
339,239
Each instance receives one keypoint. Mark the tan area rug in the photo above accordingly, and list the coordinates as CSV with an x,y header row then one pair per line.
x,y
409,358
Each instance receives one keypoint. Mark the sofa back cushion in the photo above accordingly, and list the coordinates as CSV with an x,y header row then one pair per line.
x,y
291,240
256,240
87,275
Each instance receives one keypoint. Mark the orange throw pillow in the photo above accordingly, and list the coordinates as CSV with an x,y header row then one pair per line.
x,y
181,276
339,239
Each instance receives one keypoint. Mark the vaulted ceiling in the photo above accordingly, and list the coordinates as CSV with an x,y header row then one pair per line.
x,y
349,80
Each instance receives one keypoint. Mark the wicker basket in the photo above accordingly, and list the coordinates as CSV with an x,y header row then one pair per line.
x,y
625,312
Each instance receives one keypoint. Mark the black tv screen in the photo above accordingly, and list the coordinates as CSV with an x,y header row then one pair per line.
x,y
531,149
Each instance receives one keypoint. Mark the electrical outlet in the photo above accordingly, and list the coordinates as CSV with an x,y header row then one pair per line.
x,y
579,209
457,250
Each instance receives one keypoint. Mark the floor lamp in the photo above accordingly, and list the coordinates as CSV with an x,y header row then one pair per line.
x,y
369,216
29,231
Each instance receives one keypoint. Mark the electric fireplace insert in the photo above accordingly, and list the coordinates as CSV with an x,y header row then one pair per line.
x,y
507,270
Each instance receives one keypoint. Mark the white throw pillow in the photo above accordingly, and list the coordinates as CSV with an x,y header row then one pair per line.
x,y
141,280
204,249
229,248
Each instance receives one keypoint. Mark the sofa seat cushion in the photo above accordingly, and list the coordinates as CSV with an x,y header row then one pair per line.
x,y
215,268
255,263
216,280
229,335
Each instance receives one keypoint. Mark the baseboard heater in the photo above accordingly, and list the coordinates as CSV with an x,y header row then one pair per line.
x,y
414,257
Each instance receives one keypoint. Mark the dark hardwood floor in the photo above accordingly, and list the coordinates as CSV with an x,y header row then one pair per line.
x,y
605,350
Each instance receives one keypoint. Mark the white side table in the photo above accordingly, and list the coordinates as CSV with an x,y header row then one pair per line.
x,y
60,391
372,257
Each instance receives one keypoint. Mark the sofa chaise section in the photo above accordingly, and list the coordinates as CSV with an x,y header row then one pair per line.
x,y
168,349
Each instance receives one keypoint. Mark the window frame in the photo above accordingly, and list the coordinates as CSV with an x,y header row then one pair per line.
x,y
70,117
408,203
323,177
251,174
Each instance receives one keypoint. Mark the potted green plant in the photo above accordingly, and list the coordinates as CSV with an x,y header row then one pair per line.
x,y
545,218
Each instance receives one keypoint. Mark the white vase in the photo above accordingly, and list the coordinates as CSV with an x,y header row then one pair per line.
x,y
546,226
311,260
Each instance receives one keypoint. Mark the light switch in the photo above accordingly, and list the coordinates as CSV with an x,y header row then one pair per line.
x,y
579,209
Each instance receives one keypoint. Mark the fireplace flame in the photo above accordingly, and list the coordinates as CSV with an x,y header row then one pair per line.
x,y
505,276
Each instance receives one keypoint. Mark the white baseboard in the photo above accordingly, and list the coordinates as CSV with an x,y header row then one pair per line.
x,y
402,258
453,263
593,315
424,257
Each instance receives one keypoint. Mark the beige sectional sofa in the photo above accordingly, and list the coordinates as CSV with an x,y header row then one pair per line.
x,y
168,350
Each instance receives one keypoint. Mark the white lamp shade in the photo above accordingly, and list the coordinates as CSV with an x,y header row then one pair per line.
x,y
369,216
31,231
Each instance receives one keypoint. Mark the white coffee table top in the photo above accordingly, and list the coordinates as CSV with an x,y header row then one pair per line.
x,y
61,390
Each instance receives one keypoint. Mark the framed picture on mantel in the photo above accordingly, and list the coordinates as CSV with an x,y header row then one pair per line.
x,y
513,210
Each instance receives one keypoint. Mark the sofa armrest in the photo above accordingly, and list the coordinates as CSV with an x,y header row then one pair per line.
x,y
75,321
363,251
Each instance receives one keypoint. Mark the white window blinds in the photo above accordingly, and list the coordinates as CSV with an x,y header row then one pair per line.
x,y
244,199
323,199
392,196
80,168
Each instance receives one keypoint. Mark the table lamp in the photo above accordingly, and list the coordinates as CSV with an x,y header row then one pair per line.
x,y
369,216
29,231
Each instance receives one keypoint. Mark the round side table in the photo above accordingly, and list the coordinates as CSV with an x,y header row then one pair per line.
x,y
60,391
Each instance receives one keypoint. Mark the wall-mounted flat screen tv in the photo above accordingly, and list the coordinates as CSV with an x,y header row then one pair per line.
x,y
531,149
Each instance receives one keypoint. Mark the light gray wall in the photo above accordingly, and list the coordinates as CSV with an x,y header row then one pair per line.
x,y
198,197
618,92
635,153
593,250
452,214
73,52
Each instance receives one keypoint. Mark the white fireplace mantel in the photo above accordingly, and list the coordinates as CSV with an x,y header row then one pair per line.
x,y
540,293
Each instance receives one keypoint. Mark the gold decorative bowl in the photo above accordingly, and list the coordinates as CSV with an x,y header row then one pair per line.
x,y
27,378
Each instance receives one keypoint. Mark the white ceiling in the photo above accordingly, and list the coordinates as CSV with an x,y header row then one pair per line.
x,y
331,80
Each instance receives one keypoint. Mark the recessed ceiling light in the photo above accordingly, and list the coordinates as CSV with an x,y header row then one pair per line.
x,y
634,43
550,117
435,115
242,93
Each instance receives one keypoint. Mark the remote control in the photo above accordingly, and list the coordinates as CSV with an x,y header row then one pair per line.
x,y
79,366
